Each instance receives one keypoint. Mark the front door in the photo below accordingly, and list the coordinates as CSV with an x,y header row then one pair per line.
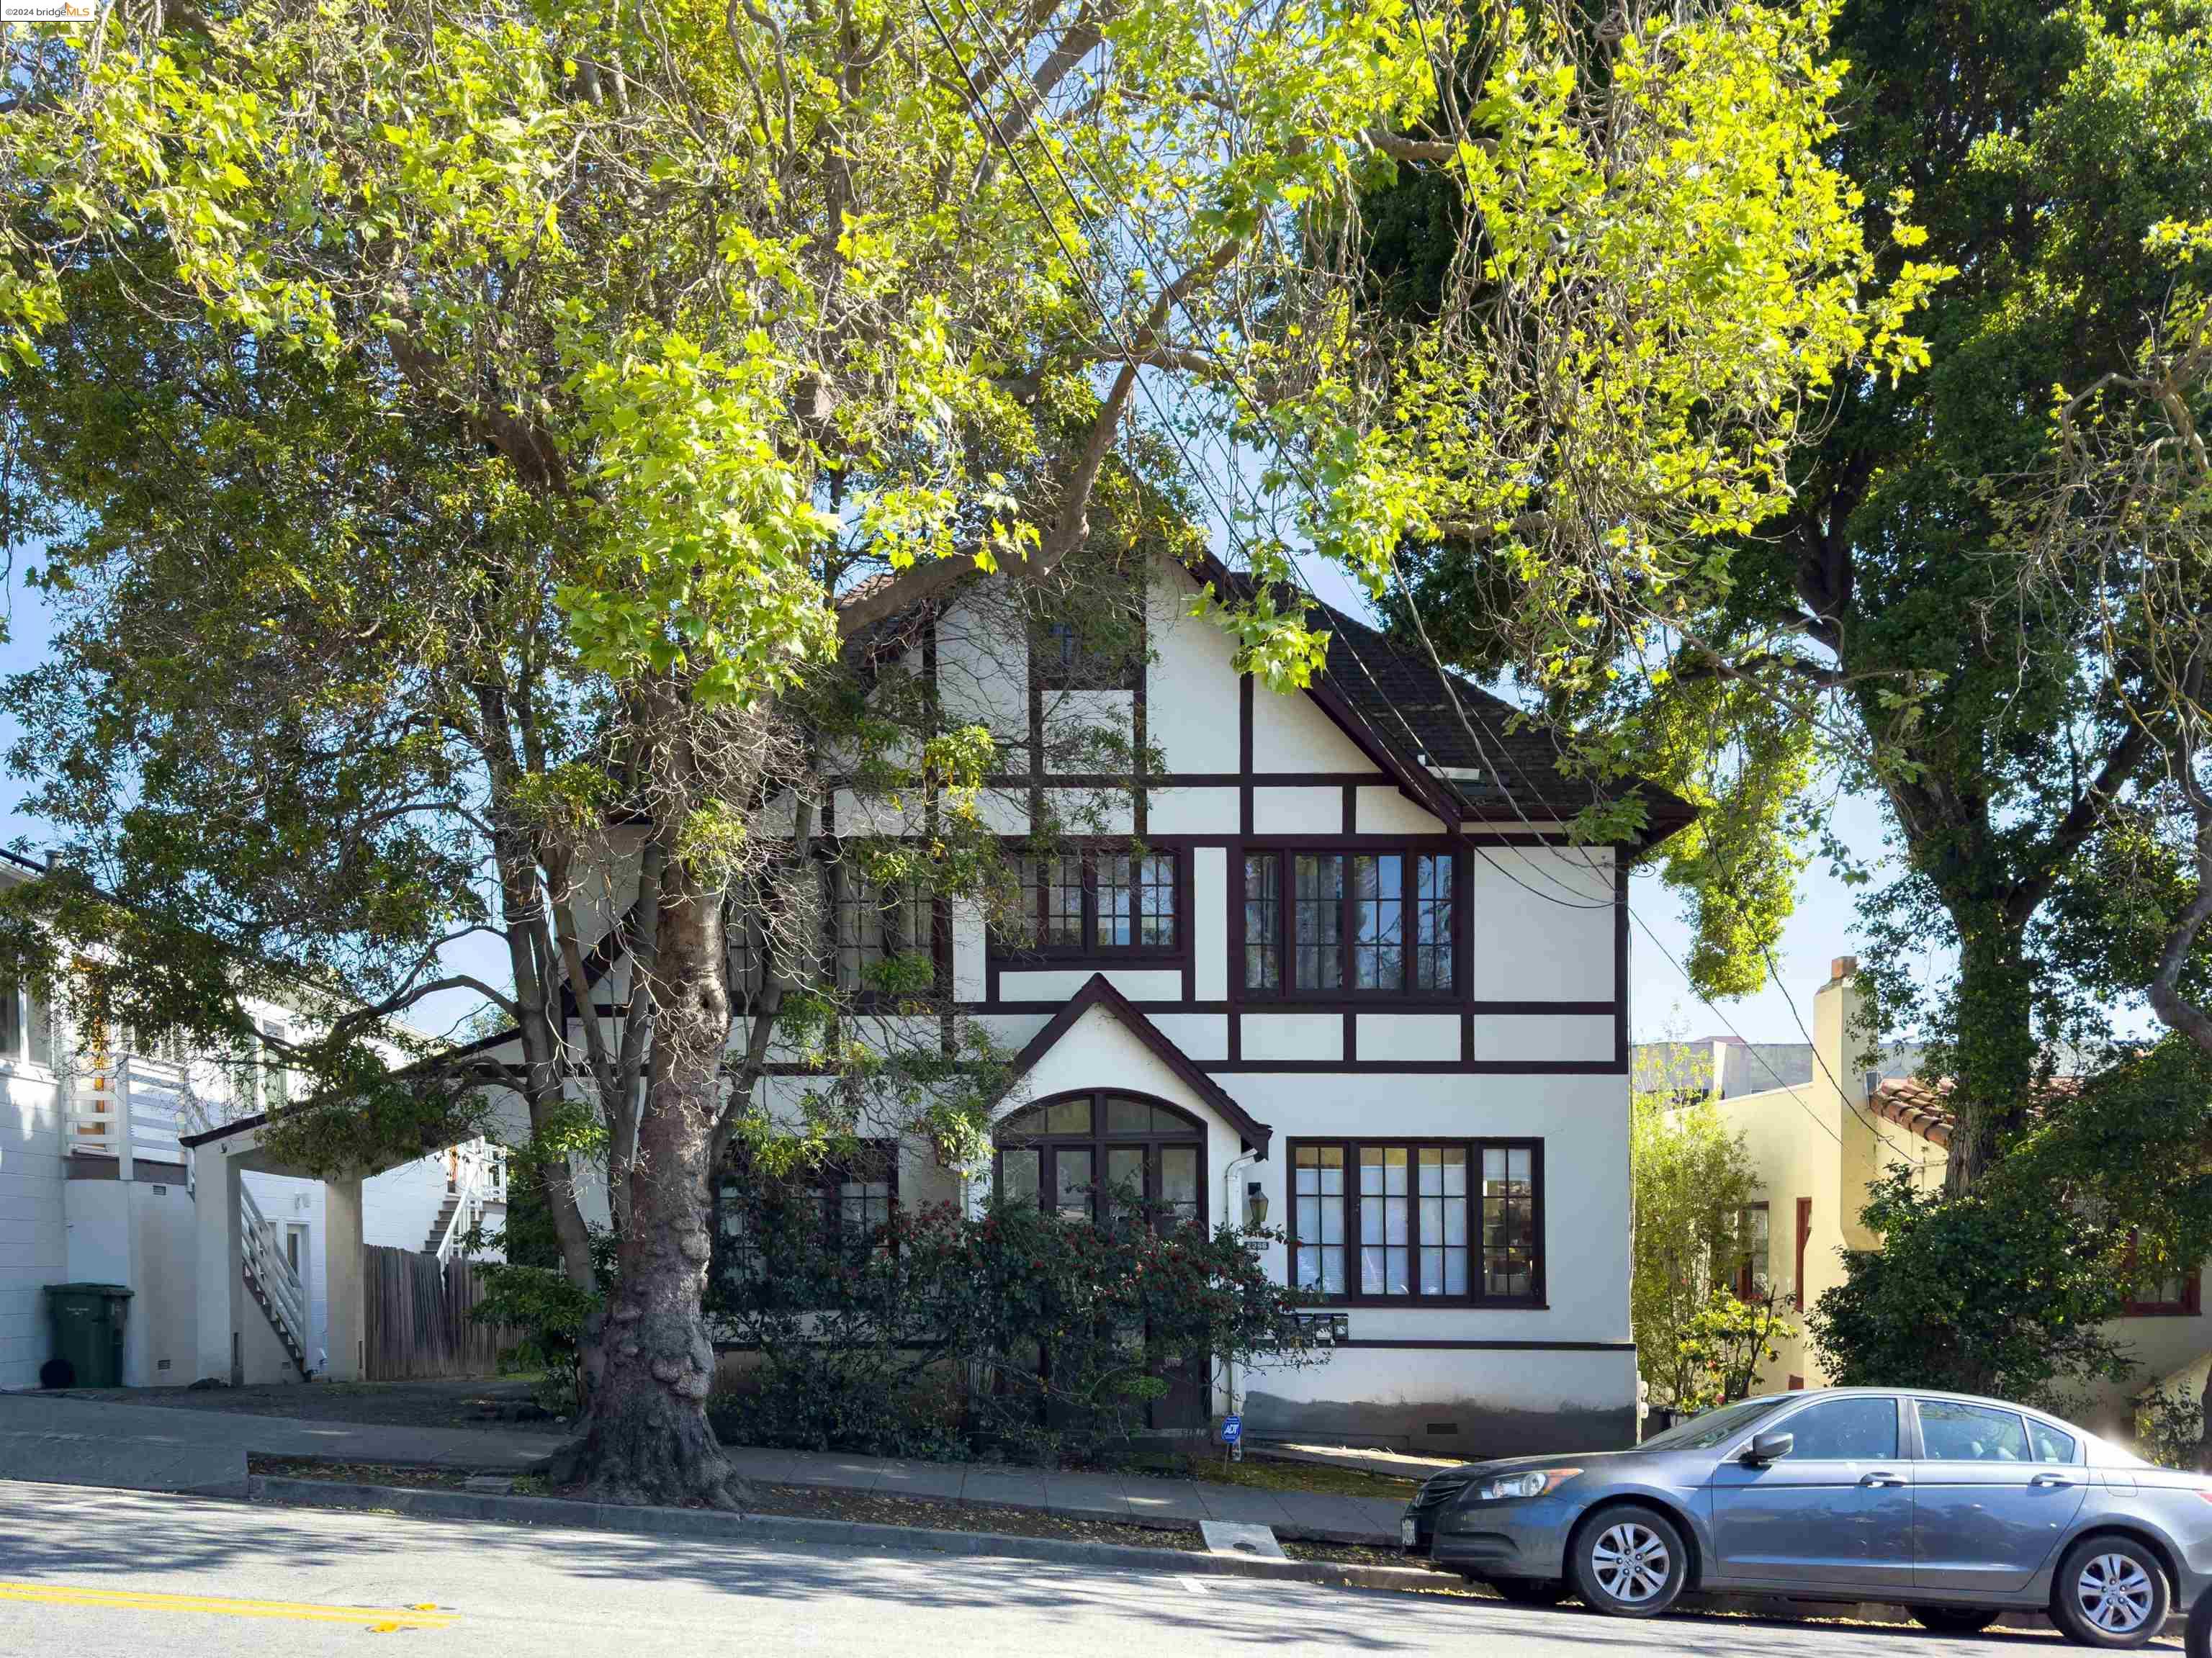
x,y
1837,1511
1111,1158
1992,1503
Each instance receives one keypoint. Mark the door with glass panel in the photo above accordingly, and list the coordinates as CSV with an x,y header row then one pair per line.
x,y
1114,1159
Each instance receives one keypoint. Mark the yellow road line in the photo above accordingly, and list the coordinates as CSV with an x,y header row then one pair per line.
x,y
64,1595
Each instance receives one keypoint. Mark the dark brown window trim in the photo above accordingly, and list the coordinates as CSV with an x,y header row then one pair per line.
x,y
1537,1299
1190,1132
1002,953
2192,1293
1344,997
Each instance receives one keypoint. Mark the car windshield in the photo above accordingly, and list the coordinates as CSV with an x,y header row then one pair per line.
x,y
1702,1433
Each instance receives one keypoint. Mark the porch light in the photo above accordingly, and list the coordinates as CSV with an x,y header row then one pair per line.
x,y
1255,1204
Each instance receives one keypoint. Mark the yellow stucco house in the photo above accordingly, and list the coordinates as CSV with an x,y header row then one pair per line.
x,y
1820,1128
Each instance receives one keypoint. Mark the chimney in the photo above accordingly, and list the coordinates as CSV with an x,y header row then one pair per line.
x,y
1841,968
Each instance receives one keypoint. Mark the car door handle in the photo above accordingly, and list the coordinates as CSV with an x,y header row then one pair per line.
x,y
1882,1480
2048,1480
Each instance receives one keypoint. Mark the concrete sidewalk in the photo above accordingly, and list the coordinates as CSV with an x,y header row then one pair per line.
x,y
81,1442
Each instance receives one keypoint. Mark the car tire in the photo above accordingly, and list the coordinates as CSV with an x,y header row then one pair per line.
x,y
1529,1591
2110,1592
1628,1562
1955,1620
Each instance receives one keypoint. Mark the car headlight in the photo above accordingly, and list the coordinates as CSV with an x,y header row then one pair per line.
x,y
1537,1482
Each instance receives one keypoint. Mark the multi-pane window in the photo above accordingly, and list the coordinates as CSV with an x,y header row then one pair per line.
x,y
1317,904
1446,1220
1263,921
871,923
842,1206
1511,1253
1318,1218
1106,900
1435,939
1104,1157
1378,923
1754,1279
1374,923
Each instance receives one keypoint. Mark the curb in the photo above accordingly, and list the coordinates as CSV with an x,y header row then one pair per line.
x,y
711,1523
1291,1532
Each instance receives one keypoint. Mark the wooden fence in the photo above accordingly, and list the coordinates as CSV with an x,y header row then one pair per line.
x,y
418,1318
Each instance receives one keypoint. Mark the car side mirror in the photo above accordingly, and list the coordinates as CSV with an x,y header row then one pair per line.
x,y
1768,1448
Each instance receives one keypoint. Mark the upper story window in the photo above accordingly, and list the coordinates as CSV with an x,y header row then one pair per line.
x,y
25,1024
1085,656
1753,1278
862,925
1098,901
1366,923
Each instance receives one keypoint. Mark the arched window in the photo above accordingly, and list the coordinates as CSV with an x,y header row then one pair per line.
x,y
1100,1154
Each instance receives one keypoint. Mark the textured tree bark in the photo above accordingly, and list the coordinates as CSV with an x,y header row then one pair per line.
x,y
648,1359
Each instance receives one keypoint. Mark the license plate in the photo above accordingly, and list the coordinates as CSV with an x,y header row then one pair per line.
x,y
1406,1533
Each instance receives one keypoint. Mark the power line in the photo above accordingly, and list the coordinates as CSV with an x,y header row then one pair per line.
x,y
1197,474
1227,517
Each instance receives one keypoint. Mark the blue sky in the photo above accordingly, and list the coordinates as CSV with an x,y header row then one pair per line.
x,y
1661,1002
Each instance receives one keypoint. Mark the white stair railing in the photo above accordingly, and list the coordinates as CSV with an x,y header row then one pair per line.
x,y
125,1106
474,1181
270,1267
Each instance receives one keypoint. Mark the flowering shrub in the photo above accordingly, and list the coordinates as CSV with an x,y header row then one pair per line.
x,y
1056,1337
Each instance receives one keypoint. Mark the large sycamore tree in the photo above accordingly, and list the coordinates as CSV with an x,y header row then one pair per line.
x,y
474,446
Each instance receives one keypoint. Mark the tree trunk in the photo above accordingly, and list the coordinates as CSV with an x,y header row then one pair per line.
x,y
1994,1073
648,1358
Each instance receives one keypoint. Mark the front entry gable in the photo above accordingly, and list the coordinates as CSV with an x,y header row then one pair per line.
x,y
1103,1039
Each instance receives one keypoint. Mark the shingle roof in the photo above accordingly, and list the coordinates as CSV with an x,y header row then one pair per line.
x,y
1406,700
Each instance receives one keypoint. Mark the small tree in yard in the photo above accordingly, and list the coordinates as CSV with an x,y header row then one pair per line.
x,y
1689,1182
499,466
2000,1290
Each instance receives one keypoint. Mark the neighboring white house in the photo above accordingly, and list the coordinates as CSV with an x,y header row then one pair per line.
x,y
97,1187
1335,958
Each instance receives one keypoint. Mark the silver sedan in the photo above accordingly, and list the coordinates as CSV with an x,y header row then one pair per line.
x,y
1960,1508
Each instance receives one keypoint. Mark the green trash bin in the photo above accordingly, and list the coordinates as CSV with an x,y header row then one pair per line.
x,y
88,1320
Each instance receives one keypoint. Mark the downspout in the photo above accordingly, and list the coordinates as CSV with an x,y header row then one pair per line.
x,y
1230,1194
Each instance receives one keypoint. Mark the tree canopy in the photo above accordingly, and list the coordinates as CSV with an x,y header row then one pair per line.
x,y
488,458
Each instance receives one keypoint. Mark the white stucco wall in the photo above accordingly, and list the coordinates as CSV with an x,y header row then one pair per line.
x,y
33,1247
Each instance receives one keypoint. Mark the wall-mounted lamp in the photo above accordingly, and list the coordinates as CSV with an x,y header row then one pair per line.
x,y
1255,1204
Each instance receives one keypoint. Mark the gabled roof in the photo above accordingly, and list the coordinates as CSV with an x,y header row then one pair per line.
x,y
1404,716
1098,993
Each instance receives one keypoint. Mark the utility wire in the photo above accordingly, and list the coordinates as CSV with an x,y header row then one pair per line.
x,y
1444,675
1197,474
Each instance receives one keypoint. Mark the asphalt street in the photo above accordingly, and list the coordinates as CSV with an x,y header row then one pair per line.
x,y
89,1573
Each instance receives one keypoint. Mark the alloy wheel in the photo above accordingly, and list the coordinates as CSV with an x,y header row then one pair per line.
x,y
2114,1594
1630,1562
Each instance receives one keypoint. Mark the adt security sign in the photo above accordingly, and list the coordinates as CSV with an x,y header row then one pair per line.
x,y
1233,1435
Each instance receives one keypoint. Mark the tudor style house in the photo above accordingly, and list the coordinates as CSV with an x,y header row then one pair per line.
x,y
1327,958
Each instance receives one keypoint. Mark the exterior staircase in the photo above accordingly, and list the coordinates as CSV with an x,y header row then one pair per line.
x,y
476,1182
270,1280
